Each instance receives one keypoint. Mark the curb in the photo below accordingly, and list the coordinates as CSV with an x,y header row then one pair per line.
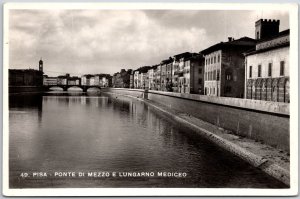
x,y
257,161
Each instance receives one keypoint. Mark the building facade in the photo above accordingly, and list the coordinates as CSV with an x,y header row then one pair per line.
x,y
27,77
157,77
267,67
131,83
62,80
49,81
151,79
224,67
163,76
179,74
136,79
169,64
194,74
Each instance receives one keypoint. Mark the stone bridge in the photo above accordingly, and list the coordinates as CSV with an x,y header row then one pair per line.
x,y
66,87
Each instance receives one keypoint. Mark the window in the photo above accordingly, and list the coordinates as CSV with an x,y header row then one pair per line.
x,y
208,61
218,58
187,63
270,70
200,81
215,59
200,70
218,75
211,60
228,77
259,71
250,71
214,75
282,68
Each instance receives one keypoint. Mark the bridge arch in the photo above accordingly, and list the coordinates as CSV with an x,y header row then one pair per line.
x,y
93,87
84,88
50,87
74,86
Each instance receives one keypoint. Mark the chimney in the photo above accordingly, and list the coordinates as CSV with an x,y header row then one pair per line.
x,y
230,39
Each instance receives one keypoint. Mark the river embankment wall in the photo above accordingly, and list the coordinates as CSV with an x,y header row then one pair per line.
x,y
264,121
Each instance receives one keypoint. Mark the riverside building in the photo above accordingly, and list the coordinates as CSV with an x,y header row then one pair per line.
x,y
193,74
169,63
163,78
157,77
224,67
136,79
177,71
267,66
26,77
151,78
48,81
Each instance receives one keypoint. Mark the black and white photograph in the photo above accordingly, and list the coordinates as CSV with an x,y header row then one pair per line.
x,y
154,99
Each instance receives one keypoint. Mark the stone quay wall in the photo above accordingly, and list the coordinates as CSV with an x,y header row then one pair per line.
x,y
264,121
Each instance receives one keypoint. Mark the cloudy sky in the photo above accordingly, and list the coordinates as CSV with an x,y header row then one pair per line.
x,y
104,41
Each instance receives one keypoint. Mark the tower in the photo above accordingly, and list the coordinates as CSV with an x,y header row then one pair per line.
x,y
266,28
41,65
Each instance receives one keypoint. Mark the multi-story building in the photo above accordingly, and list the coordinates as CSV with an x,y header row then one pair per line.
x,y
267,66
157,77
163,75
140,80
193,74
62,80
143,76
175,65
92,81
151,79
104,81
136,79
146,79
169,63
224,67
74,81
131,82
85,80
28,77
96,80
178,80
48,81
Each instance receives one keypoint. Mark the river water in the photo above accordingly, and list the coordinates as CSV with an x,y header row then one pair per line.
x,y
97,140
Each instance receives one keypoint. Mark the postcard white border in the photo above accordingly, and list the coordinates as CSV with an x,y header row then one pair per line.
x,y
292,8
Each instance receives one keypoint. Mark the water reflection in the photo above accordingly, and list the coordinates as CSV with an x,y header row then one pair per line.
x,y
100,132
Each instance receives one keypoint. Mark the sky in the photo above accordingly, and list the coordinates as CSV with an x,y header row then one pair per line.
x,y
105,41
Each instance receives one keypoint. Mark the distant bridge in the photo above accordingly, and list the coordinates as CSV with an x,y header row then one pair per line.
x,y
66,87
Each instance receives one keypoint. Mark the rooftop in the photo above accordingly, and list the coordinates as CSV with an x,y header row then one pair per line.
x,y
244,41
278,41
